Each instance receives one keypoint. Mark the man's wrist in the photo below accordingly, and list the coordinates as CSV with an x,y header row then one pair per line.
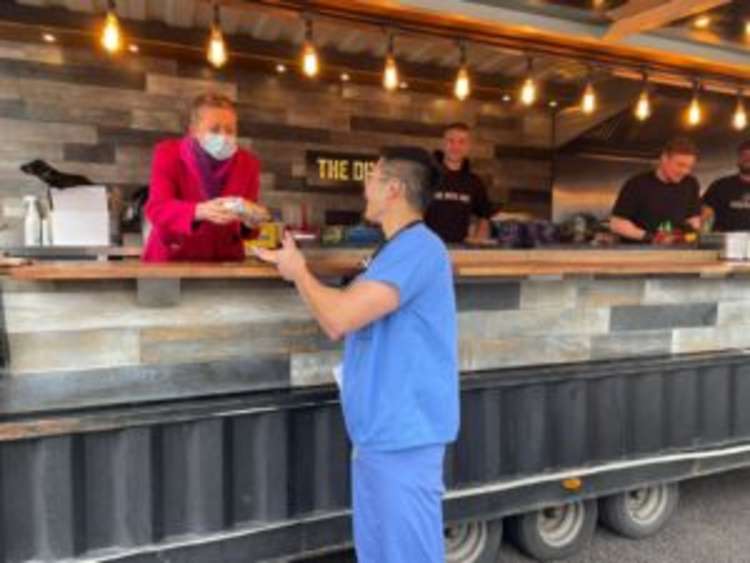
x,y
647,237
303,275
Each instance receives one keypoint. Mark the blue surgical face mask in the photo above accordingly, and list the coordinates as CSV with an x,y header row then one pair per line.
x,y
219,146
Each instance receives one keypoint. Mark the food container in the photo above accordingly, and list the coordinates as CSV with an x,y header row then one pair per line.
x,y
735,246
269,236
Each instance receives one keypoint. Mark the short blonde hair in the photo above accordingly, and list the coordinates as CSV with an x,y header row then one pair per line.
x,y
210,100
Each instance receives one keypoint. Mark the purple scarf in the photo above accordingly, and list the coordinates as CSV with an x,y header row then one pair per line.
x,y
212,172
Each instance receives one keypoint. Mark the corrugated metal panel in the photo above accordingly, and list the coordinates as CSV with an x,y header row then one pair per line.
x,y
181,477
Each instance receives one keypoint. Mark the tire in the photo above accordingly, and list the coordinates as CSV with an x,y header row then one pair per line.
x,y
554,533
640,513
476,541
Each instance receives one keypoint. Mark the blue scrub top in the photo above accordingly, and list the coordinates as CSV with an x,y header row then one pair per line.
x,y
400,385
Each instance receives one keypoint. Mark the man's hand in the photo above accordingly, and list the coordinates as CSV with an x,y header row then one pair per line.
x,y
473,241
289,260
214,211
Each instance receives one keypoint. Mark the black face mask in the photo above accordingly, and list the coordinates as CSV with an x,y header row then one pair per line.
x,y
744,169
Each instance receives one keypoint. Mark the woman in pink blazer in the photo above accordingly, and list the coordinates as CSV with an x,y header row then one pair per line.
x,y
203,190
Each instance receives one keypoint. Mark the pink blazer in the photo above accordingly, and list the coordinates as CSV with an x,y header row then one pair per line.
x,y
175,190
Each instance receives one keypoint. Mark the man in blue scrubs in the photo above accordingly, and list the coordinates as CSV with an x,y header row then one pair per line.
x,y
400,391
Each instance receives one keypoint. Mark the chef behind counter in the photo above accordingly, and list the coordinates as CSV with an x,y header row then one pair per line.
x,y
726,203
659,205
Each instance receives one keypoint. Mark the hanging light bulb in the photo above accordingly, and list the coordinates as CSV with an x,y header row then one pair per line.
x,y
739,120
588,102
111,37
310,62
217,49
695,112
643,106
528,90
391,80
702,22
462,88
463,84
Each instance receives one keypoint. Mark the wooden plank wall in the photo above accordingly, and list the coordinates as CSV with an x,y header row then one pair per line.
x,y
86,113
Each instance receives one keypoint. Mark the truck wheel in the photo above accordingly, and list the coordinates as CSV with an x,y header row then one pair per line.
x,y
477,541
640,513
554,533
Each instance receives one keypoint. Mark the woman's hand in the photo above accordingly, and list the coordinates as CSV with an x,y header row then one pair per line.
x,y
250,213
214,211
255,214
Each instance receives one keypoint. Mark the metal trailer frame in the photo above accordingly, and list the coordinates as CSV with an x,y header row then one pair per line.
x,y
266,475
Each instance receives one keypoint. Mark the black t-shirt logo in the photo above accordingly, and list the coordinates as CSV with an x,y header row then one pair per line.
x,y
742,204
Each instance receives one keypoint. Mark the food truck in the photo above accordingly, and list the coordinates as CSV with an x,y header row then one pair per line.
x,y
187,411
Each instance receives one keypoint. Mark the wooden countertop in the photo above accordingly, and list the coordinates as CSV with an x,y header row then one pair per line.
x,y
467,264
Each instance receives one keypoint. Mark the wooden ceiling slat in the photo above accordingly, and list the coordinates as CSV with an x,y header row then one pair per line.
x,y
639,16
426,37
233,21
137,9
258,27
35,3
180,13
80,5
662,54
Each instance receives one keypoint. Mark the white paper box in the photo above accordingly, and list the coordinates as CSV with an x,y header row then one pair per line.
x,y
80,216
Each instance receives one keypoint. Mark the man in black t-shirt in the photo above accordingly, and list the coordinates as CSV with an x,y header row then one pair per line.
x,y
667,195
461,195
727,200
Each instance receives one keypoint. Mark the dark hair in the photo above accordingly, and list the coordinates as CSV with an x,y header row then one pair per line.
x,y
457,126
680,145
210,100
744,146
416,168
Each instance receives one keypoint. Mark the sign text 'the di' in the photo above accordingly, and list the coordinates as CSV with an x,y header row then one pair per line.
x,y
332,170
343,169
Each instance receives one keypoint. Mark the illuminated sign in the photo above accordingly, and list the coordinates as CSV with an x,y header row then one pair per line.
x,y
338,170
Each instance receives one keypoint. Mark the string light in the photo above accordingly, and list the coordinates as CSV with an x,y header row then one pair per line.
x,y
529,89
739,120
217,49
695,111
588,102
702,22
111,38
462,88
643,106
391,79
310,62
